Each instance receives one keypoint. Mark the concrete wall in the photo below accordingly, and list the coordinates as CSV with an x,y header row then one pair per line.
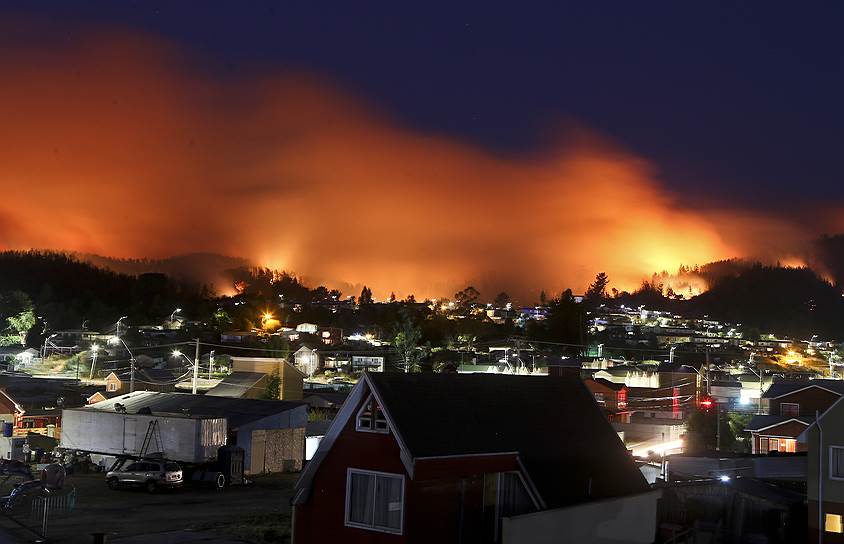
x,y
630,520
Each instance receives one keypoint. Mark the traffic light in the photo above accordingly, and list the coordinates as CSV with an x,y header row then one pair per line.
x,y
706,403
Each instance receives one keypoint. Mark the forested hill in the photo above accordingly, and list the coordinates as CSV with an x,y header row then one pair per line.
x,y
66,291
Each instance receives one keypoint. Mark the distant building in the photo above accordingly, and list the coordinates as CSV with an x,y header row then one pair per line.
x,y
310,328
471,458
146,379
251,376
237,337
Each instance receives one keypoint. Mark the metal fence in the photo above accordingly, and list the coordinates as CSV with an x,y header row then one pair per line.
x,y
47,507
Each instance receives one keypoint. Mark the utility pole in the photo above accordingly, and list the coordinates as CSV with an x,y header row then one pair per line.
x,y
717,426
196,367
95,348
131,373
210,363
708,388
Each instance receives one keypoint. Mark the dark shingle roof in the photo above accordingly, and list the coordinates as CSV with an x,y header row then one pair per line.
x,y
778,389
560,434
763,421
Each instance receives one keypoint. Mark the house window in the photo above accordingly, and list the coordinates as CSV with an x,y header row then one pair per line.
x,y
375,500
371,418
782,445
836,462
111,386
622,398
791,409
833,523
599,398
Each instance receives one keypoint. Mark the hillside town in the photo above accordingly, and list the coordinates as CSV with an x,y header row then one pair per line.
x,y
685,428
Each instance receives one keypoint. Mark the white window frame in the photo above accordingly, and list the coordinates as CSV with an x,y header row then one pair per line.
x,y
111,387
363,407
831,475
373,527
797,404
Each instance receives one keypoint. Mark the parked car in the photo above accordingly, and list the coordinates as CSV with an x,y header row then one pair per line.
x,y
153,474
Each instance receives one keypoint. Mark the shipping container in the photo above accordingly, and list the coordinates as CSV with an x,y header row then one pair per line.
x,y
189,439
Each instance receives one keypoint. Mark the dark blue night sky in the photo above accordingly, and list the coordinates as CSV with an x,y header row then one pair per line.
x,y
739,99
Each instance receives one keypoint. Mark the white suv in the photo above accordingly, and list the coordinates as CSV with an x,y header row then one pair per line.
x,y
153,474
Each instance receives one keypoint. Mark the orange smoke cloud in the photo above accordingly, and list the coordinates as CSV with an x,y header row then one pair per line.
x,y
114,145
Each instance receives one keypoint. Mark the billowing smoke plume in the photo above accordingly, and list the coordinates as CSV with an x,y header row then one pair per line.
x,y
118,145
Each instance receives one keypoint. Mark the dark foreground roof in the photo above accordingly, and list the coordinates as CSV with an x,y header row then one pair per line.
x,y
568,448
237,412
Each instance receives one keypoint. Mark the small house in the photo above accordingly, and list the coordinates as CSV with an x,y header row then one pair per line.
x,y
146,379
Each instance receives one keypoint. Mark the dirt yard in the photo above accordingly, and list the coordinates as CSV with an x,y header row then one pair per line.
x,y
258,513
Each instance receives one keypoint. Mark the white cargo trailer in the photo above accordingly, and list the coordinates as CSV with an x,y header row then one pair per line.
x,y
189,439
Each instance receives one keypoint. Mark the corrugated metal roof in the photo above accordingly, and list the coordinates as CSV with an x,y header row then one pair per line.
x,y
236,411
236,384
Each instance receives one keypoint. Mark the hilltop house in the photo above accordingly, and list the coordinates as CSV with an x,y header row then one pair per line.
x,y
462,458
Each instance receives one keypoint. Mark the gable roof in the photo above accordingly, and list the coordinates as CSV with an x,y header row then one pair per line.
x,y
780,389
608,384
569,459
761,422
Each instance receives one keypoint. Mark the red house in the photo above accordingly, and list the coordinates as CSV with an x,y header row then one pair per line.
x,y
791,408
444,457
610,396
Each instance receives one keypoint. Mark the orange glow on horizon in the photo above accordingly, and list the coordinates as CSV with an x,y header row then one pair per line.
x,y
135,154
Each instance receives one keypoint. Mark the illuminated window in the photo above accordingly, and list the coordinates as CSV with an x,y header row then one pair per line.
x,y
599,398
833,524
111,386
791,409
782,445
371,418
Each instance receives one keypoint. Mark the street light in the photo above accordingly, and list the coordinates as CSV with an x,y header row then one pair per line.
x,y
94,348
46,341
758,373
194,364
114,340
118,325
173,314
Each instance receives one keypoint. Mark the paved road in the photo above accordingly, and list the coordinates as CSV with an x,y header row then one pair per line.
x,y
258,512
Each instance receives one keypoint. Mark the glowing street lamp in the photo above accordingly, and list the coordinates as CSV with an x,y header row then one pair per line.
x,y
94,350
115,340
173,314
